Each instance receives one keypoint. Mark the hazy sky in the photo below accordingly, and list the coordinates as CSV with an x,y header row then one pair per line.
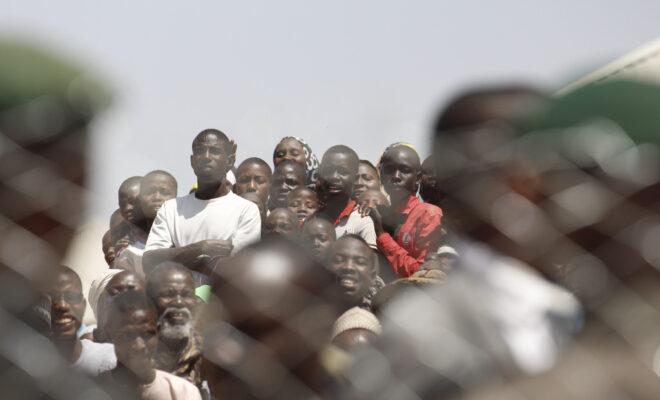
x,y
362,73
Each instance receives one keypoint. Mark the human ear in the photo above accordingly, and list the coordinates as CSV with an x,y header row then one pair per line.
x,y
231,159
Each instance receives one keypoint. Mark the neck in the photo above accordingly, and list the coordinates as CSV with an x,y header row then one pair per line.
x,y
145,224
70,349
126,377
335,205
399,201
173,345
211,190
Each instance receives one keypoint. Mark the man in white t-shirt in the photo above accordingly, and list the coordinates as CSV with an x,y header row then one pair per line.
x,y
208,224
67,308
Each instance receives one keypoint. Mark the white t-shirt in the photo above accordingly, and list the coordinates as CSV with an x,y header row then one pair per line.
x,y
169,387
95,358
130,259
187,220
357,225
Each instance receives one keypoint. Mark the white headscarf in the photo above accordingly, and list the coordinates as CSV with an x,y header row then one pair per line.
x,y
97,288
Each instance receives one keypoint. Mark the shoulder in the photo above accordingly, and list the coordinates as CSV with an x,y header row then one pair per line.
x,y
246,206
427,210
177,384
90,346
181,201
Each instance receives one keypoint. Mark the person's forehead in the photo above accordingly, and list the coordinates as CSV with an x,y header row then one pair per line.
x,y
304,194
317,226
366,168
66,281
289,144
130,189
290,169
252,168
123,279
351,247
281,215
210,139
157,180
401,155
173,277
133,320
337,158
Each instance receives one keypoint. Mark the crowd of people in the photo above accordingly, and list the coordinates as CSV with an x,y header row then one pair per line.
x,y
368,224
339,277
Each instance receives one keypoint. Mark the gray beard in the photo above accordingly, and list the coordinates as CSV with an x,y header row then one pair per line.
x,y
169,331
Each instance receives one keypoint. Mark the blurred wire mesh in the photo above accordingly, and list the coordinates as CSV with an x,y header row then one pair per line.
x,y
551,206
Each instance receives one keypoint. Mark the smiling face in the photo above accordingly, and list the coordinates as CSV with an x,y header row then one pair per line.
x,y
289,149
156,188
253,177
354,264
173,292
366,179
337,172
67,305
400,172
303,203
287,177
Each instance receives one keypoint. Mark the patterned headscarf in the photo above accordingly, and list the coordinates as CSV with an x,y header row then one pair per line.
x,y
311,162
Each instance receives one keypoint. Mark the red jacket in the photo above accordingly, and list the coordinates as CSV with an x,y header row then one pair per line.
x,y
419,233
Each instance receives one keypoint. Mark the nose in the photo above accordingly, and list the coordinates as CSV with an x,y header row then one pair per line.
x,y
139,345
177,301
60,305
397,175
347,266
252,186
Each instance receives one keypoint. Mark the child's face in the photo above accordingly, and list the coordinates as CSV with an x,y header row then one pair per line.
x,y
280,222
303,203
318,235
373,199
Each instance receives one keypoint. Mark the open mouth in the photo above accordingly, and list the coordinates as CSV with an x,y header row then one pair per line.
x,y
63,322
347,281
177,317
